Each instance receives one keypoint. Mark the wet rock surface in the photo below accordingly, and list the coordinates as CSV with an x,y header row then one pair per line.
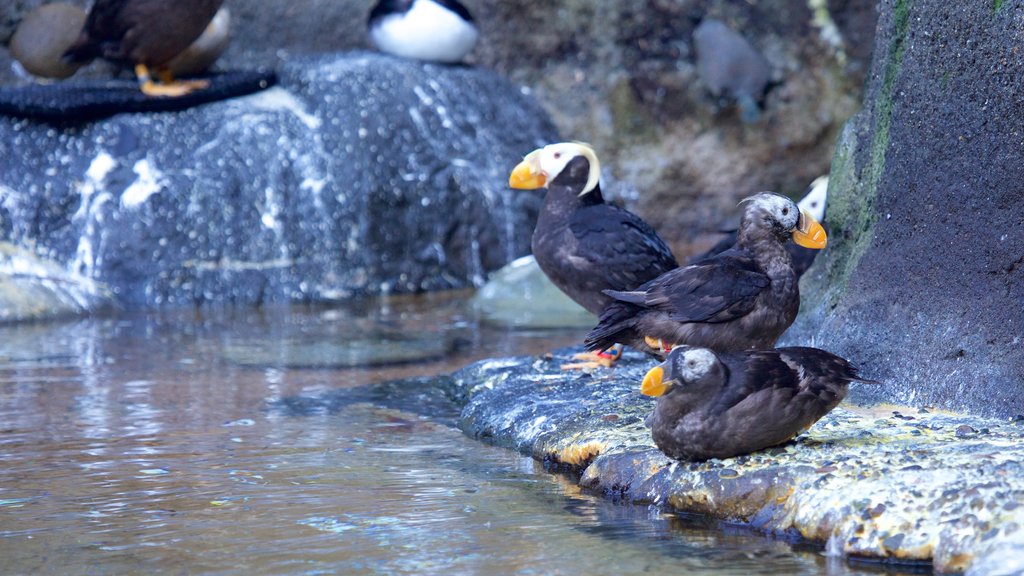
x,y
357,174
622,75
885,483
520,296
922,282
34,289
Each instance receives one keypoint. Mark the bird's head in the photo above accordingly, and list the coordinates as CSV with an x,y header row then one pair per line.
x,y
571,162
685,367
814,200
781,217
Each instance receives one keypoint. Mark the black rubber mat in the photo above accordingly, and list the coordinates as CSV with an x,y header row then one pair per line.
x,y
71,102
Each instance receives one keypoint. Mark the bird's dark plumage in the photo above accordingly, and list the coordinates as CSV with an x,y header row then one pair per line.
x,y
582,244
149,32
814,202
387,7
743,298
718,405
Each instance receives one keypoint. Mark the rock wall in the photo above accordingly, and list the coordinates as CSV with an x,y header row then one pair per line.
x,y
357,174
621,74
923,281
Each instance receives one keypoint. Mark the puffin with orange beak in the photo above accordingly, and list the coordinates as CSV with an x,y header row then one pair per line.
x,y
585,246
743,298
719,405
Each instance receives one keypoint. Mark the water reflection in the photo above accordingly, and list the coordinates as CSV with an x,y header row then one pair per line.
x,y
141,443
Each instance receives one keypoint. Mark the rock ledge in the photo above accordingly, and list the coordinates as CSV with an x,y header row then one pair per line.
x,y
885,482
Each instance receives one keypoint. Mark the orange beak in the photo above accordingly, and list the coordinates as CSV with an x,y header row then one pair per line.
x,y
527,175
809,233
653,384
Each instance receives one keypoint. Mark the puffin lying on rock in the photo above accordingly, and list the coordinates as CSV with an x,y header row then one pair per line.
x,y
147,34
727,404
432,30
743,298
813,203
587,247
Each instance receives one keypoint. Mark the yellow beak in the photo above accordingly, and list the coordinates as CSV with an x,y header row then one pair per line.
x,y
810,234
653,384
527,175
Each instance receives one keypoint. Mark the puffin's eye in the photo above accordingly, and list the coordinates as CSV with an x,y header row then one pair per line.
x,y
558,155
785,211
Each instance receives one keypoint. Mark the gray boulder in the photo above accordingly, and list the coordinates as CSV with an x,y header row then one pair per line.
x,y
923,283
358,174
521,296
622,75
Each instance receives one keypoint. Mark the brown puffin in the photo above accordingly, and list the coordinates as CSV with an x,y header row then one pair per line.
x,y
743,298
147,34
587,247
726,404
813,202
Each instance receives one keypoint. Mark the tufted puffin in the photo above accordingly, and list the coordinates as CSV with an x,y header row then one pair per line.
x,y
730,403
432,30
585,246
147,34
813,203
743,298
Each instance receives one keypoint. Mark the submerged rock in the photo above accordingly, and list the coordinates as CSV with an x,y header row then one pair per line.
x,y
32,288
358,174
367,349
885,482
521,296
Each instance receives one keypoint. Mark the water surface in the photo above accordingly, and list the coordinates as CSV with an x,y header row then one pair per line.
x,y
239,442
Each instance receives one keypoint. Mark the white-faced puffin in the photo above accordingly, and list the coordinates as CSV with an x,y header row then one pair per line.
x,y
146,34
585,246
718,405
813,202
743,298
432,30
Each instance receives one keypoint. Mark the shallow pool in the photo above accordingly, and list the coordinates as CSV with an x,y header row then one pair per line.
x,y
245,442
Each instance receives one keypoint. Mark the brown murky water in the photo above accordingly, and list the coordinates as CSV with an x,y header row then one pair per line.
x,y
185,442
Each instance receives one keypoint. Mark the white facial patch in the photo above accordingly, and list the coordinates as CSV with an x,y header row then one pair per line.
x,y
784,210
814,201
553,159
695,363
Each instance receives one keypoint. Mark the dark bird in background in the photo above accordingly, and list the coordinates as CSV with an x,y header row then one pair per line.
x,y
585,246
718,405
745,297
146,34
432,30
813,203
731,68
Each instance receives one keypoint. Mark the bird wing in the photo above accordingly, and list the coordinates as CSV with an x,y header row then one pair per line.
x,y
775,378
717,289
625,249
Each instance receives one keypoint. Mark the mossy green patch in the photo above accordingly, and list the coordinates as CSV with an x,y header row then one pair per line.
x,y
852,194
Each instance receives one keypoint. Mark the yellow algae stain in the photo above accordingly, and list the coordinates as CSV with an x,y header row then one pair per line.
x,y
580,454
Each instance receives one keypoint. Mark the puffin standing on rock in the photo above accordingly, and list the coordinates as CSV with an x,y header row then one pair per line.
x,y
587,247
147,34
727,404
814,201
432,30
745,297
